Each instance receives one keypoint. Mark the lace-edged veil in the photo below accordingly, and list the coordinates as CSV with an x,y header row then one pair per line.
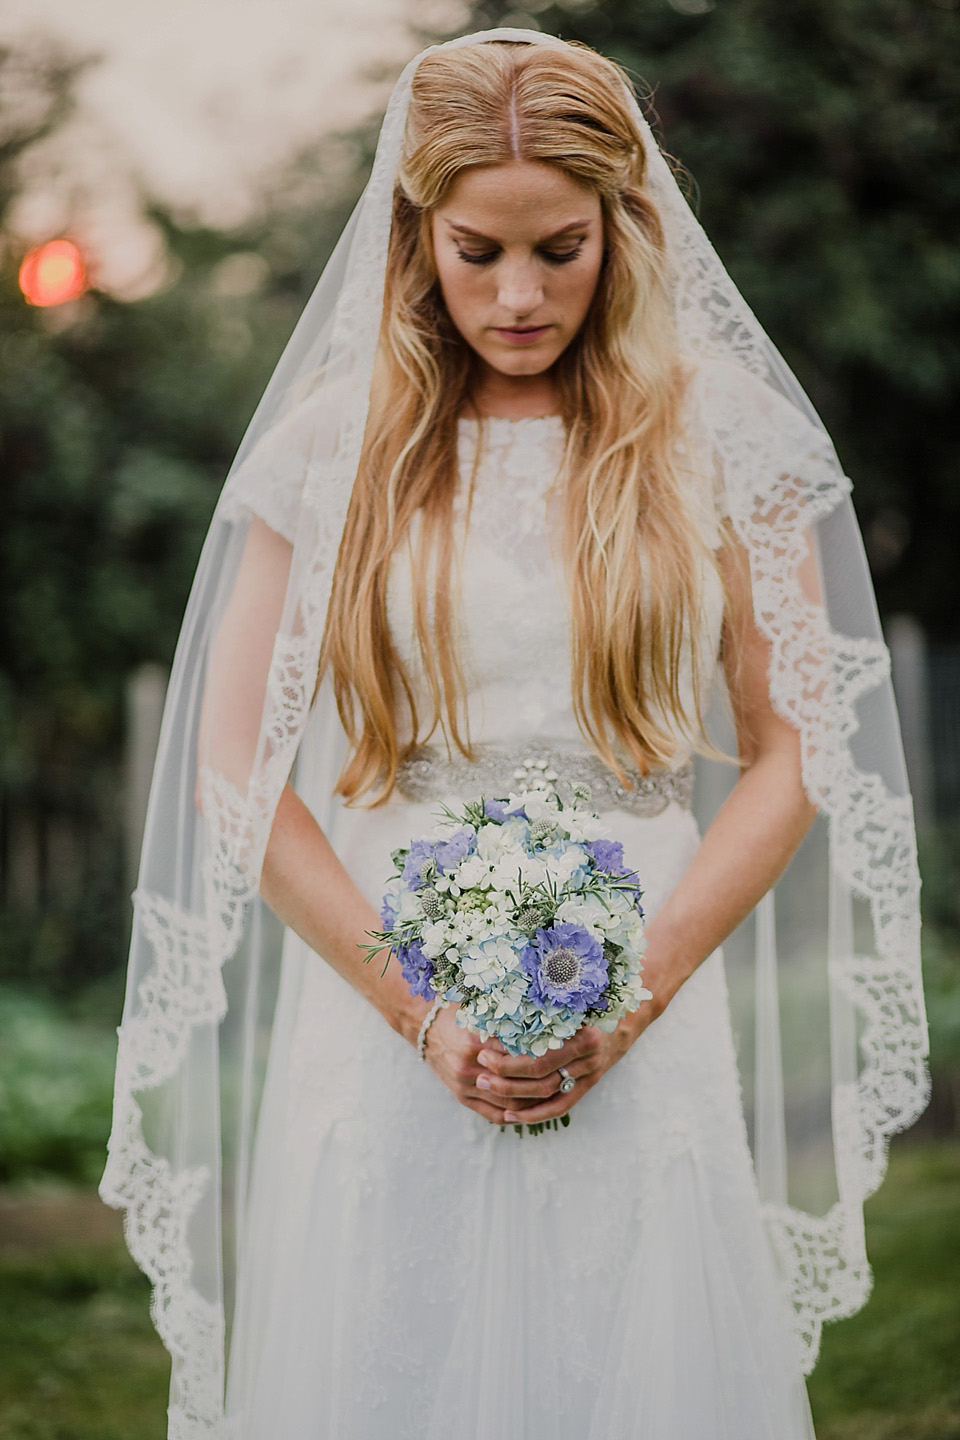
x,y
825,977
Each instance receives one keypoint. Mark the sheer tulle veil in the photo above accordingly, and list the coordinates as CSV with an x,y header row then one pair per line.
x,y
825,977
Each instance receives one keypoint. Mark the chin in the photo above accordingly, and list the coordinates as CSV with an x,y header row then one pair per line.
x,y
520,364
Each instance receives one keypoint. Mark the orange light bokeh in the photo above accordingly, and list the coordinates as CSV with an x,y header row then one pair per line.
x,y
53,273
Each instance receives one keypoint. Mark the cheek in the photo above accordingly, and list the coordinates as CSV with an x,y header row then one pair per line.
x,y
587,282
458,287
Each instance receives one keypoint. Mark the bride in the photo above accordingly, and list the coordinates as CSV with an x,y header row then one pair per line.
x,y
529,480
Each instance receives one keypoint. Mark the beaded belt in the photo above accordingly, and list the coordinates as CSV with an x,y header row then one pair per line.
x,y
429,774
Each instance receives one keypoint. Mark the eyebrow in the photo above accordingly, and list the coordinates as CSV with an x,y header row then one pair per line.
x,y
556,235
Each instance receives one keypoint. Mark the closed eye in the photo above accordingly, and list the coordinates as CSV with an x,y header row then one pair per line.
x,y
478,258
553,257
562,257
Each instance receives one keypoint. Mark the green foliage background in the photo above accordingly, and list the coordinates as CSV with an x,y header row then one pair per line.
x,y
823,143
823,139
118,422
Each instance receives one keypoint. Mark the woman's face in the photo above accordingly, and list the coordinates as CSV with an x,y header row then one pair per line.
x,y
518,251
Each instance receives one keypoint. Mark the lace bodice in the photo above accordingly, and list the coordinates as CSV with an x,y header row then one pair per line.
x,y
514,609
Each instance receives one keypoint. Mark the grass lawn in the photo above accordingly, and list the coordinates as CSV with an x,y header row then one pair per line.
x,y
893,1371
81,1361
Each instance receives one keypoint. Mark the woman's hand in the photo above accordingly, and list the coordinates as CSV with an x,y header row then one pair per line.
x,y
528,1088
453,1053
524,1089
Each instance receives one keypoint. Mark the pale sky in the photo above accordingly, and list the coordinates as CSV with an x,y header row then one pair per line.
x,y
200,98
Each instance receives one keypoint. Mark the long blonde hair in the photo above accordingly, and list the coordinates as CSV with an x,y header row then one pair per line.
x,y
635,559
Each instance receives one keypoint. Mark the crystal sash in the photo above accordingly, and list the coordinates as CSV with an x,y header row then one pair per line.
x,y
429,774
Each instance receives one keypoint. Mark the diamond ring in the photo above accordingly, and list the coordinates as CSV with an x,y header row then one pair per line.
x,y
567,1081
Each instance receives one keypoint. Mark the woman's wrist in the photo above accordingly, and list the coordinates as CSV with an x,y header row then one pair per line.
x,y
411,1020
428,1019
402,1011
663,974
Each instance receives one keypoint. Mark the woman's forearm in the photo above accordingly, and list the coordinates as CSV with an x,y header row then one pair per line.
x,y
754,834
305,884
743,853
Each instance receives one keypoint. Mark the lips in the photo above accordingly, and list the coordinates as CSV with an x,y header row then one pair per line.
x,y
522,334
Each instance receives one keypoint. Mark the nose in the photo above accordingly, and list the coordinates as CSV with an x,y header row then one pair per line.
x,y
519,289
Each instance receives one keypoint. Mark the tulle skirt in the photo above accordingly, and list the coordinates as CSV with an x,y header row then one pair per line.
x,y
410,1272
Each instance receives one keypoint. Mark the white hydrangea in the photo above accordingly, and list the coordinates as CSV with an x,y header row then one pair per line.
x,y
472,872
503,1000
486,964
588,911
434,938
581,825
539,804
627,932
506,874
563,863
409,908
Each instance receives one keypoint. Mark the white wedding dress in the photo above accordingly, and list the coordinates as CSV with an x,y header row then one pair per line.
x,y
410,1272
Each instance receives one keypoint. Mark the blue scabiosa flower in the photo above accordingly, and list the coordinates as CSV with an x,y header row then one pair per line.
x,y
420,864
566,965
497,811
417,970
450,852
608,856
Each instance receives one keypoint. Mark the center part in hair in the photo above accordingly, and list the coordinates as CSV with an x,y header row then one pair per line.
x,y
562,967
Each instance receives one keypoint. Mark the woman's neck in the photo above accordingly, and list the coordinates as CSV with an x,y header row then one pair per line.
x,y
497,396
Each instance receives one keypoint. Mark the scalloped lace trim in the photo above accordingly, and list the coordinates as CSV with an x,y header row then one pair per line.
x,y
815,671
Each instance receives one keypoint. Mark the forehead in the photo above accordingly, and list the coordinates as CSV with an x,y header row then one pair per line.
x,y
508,201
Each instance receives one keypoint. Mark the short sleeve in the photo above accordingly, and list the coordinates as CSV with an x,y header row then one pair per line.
x,y
756,445
269,481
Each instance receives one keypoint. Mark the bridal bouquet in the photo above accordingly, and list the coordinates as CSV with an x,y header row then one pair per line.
x,y
523,913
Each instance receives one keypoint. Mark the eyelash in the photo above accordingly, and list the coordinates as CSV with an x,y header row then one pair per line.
x,y
551,256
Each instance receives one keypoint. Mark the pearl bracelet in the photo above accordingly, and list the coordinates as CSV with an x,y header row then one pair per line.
x,y
428,1020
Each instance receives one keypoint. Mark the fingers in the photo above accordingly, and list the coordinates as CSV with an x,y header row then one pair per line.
x,y
493,1113
585,1045
515,1109
586,1075
485,1111
550,1109
509,1089
497,1087
537,1114
458,1070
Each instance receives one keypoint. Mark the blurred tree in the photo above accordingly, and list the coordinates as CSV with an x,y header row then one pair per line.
x,y
824,140
117,424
